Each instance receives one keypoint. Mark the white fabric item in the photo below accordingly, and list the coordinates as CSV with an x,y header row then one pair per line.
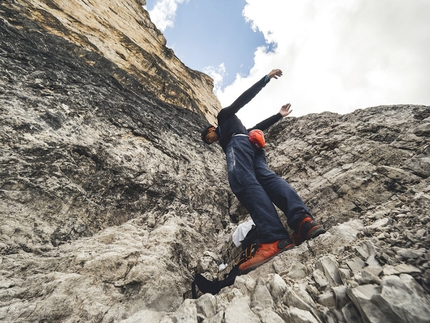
x,y
222,267
241,231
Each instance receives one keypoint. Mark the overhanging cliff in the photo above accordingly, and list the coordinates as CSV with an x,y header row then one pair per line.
x,y
122,33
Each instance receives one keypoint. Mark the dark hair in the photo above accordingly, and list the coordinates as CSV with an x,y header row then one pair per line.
x,y
205,132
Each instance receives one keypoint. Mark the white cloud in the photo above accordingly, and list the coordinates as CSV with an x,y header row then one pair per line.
x,y
164,12
217,73
337,56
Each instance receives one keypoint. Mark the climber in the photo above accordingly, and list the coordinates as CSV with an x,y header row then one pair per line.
x,y
257,187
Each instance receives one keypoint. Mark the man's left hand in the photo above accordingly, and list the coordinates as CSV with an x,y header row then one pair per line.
x,y
285,110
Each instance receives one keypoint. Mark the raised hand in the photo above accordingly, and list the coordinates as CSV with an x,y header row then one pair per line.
x,y
285,110
275,73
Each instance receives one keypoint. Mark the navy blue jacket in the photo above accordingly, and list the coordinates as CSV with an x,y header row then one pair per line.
x,y
229,124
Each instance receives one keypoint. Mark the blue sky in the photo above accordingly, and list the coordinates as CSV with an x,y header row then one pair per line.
x,y
212,33
337,55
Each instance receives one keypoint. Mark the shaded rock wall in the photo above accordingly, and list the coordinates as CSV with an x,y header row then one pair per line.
x,y
109,201
85,147
122,32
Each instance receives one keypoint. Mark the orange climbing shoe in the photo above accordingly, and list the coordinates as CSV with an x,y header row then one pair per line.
x,y
307,229
264,253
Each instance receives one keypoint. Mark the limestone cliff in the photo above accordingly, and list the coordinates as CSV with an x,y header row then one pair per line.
x,y
122,32
109,201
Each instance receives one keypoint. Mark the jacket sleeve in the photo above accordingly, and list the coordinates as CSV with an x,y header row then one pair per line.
x,y
263,125
243,99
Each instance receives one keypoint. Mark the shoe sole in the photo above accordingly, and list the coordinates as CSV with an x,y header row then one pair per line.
x,y
247,270
315,232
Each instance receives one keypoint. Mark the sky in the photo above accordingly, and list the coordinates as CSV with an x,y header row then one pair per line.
x,y
336,55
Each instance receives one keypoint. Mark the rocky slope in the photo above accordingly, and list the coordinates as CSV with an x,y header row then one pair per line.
x,y
364,175
110,202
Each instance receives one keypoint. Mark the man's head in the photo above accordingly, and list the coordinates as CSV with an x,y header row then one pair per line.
x,y
209,135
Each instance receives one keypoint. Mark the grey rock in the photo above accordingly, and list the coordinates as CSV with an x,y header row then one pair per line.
x,y
297,299
277,286
296,315
297,271
351,314
245,284
329,267
410,253
422,198
400,269
269,316
356,265
366,276
370,312
110,202
261,298
327,299
340,296
345,275
403,298
148,315
347,231
379,224
186,313
320,278
218,318
239,311
206,305
331,315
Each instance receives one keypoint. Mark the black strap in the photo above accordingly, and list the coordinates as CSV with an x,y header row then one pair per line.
x,y
249,247
213,287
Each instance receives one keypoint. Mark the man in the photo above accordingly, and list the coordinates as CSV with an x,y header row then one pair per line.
x,y
255,186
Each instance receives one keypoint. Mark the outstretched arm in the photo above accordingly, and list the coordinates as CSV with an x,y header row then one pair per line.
x,y
283,112
249,94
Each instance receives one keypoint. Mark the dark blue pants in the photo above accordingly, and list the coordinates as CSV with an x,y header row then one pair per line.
x,y
258,188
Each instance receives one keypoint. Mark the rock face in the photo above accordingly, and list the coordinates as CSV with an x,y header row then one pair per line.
x,y
109,202
122,33
91,158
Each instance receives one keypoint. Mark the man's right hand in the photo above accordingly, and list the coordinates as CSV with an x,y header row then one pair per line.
x,y
275,73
